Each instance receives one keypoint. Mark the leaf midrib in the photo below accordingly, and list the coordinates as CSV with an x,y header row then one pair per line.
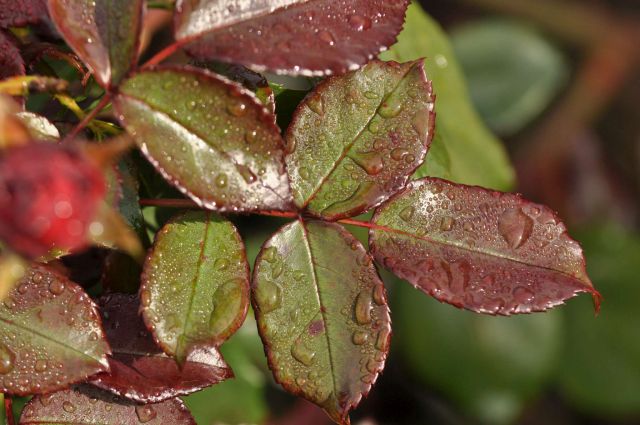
x,y
348,148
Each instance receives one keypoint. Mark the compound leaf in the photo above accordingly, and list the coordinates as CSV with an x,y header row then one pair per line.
x,y
322,314
104,34
317,37
87,405
486,251
356,139
139,370
195,284
209,137
50,335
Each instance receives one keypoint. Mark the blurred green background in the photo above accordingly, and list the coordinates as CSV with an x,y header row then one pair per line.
x,y
540,97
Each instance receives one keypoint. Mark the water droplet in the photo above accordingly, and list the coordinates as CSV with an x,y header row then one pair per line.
x,y
363,308
7,360
359,23
422,123
145,413
359,337
246,173
379,294
68,407
515,227
326,37
191,105
41,366
391,107
316,104
371,95
222,264
221,180
227,303
382,341
370,162
302,353
251,136
56,287
145,298
468,226
373,366
398,153
276,270
268,296
407,213
375,126
446,223
304,173
523,295
237,108
270,254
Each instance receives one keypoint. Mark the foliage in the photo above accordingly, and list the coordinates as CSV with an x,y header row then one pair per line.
x,y
352,145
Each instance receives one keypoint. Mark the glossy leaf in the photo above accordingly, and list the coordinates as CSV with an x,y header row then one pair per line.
x,y
322,314
356,139
289,36
39,127
50,335
87,405
215,141
140,371
11,62
103,33
18,13
485,251
512,71
475,155
195,284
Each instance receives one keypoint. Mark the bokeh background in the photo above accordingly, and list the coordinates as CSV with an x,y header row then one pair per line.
x,y
558,83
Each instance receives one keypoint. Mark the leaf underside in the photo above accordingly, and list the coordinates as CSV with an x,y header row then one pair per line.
x,y
355,140
50,335
103,33
139,370
11,63
215,141
489,252
312,37
195,284
18,13
87,405
322,314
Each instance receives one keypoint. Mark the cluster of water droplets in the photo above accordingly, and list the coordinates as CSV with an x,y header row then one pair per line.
x,y
481,250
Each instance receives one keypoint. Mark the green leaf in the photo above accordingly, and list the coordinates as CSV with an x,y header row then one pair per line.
x,y
488,366
50,335
322,314
87,405
486,251
475,155
195,283
600,370
103,33
512,71
209,137
356,139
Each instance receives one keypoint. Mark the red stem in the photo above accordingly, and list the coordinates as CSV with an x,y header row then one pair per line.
x,y
90,116
8,410
163,54
186,203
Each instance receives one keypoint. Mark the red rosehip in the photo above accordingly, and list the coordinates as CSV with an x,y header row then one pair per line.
x,y
49,194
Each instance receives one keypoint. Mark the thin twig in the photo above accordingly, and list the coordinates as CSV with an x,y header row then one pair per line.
x,y
163,54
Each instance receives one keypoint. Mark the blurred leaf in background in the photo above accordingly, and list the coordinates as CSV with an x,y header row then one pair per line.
x,y
464,150
489,366
600,371
513,73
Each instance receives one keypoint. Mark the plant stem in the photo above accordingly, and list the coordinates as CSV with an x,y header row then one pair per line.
x,y
186,203
163,54
89,117
8,410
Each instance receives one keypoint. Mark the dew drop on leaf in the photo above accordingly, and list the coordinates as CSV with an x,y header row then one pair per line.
x,y
68,407
515,227
302,353
360,337
145,413
363,308
268,296
7,359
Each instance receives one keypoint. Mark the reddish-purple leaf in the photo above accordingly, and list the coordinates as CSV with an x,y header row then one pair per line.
x,y
87,405
308,37
11,62
209,137
104,34
50,335
140,371
486,251
355,140
18,13
322,314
